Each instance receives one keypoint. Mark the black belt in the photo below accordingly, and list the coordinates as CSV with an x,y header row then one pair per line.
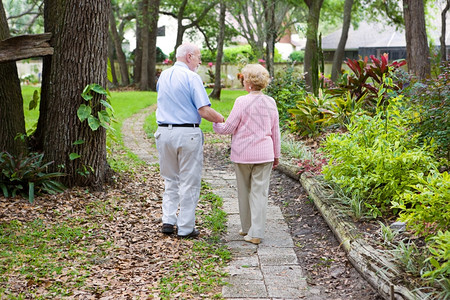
x,y
179,125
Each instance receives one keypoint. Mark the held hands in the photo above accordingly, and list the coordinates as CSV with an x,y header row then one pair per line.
x,y
276,162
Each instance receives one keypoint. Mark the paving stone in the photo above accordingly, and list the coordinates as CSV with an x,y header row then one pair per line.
x,y
245,289
274,256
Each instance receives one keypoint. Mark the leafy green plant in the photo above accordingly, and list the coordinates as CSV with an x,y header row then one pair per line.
x,y
377,159
425,206
286,88
297,56
311,114
439,247
103,118
27,176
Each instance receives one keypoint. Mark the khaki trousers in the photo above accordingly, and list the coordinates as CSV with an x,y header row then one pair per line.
x,y
180,161
253,192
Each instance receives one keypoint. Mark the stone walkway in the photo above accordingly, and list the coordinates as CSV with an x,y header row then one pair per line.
x,y
269,270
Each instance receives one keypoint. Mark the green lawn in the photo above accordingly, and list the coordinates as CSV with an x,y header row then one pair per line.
x,y
126,104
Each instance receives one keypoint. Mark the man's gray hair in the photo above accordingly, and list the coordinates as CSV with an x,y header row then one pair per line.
x,y
186,48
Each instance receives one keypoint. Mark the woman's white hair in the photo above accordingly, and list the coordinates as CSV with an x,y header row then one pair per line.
x,y
185,49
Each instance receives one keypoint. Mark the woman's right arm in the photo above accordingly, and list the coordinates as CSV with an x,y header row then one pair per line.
x,y
232,122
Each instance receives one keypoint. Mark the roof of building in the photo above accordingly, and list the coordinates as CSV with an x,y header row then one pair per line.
x,y
375,35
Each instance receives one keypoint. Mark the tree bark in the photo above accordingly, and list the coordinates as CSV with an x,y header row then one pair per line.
x,y
143,83
12,120
443,34
111,51
271,35
153,34
138,50
340,51
80,58
311,65
417,51
215,93
121,59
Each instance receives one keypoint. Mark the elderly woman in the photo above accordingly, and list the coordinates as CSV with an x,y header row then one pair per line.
x,y
255,149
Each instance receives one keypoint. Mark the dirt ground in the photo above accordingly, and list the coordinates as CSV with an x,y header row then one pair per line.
x,y
318,251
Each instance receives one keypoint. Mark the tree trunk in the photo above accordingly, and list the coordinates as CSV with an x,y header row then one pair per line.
x,y
143,83
12,120
443,34
215,93
80,58
417,51
340,51
270,35
52,11
121,59
180,27
153,34
115,81
138,51
311,65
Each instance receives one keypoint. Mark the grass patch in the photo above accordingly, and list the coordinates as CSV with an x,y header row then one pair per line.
x,y
35,254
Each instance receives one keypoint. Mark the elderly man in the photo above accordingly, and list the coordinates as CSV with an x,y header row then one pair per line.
x,y
182,103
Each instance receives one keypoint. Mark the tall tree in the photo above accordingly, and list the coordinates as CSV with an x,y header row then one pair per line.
x,y
215,93
260,20
340,51
117,42
145,35
153,34
189,14
443,30
80,39
12,122
417,50
311,49
271,34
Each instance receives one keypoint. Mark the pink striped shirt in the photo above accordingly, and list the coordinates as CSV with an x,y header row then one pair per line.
x,y
254,124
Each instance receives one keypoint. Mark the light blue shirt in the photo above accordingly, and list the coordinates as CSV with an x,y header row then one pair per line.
x,y
180,95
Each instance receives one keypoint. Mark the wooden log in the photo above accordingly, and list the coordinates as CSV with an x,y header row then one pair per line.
x,y
287,167
25,46
376,266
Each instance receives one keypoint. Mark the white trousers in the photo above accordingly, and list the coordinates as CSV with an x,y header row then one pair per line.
x,y
180,160
253,193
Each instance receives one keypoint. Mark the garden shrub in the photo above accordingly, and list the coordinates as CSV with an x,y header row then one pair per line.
x,y
286,88
27,176
377,159
426,206
297,56
236,55
432,104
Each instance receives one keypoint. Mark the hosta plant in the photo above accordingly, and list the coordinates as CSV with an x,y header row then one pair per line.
x,y
27,176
